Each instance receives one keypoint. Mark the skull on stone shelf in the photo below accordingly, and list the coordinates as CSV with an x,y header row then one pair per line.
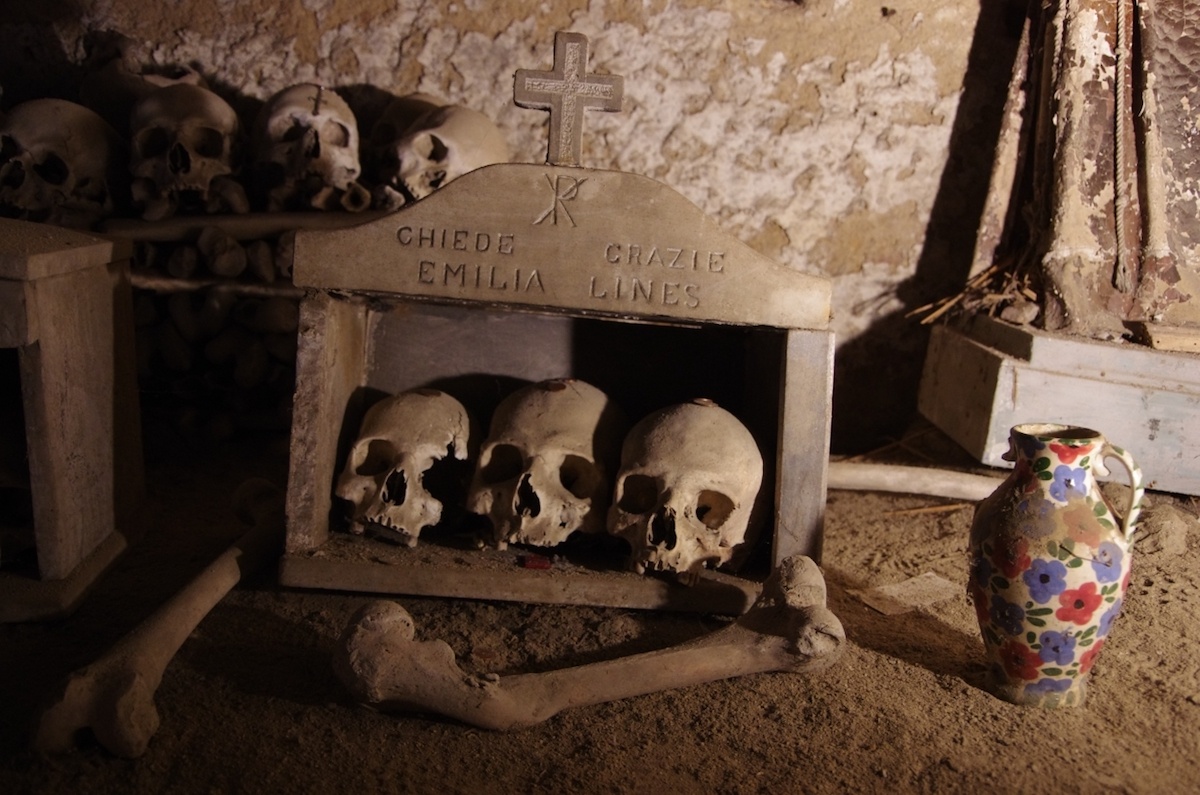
x,y
306,151
545,469
405,464
686,490
184,153
60,163
421,143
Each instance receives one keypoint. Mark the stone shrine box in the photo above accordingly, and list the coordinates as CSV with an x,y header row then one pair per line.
x,y
516,273
70,439
519,273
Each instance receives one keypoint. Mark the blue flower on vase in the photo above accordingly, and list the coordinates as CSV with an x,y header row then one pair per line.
x,y
1066,480
1008,616
1045,579
1107,563
1045,686
1107,619
1037,517
1029,446
1057,647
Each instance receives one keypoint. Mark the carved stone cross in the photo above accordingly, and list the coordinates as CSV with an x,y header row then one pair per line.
x,y
566,91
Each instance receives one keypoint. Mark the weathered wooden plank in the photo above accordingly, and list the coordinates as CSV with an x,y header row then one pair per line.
x,y
34,251
16,328
976,393
67,380
454,574
803,447
330,370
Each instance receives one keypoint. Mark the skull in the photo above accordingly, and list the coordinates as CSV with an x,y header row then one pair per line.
x,y
60,163
545,469
420,143
306,151
402,464
685,493
185,141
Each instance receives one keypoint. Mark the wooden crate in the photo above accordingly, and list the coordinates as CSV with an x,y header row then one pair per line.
x,y
517,273
70,456
981,381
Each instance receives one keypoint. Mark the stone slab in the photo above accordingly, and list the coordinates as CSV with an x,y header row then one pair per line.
x,y
579,240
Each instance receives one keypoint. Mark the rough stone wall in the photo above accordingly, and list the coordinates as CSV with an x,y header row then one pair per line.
x,y
817,131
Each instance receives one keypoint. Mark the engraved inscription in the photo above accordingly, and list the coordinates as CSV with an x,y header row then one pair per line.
x,y
635,290
565,189
665,257
455,239
465,275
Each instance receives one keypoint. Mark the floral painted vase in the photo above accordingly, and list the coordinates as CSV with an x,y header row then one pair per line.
x,y
1050,563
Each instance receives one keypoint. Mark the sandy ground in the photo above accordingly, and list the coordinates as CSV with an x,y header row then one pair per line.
x,y
250,704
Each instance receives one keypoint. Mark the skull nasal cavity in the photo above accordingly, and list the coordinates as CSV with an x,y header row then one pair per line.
x,y
395,488
662,529
528,503
179,160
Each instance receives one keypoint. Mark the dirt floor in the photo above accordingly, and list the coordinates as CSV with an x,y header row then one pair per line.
x,y
250,704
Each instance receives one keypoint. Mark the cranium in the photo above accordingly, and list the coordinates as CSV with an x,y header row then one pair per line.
x,y
306,151
185,141
545,469
60,163
420,143
391,476
685,493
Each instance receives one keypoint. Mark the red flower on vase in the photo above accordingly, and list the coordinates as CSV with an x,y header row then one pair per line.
x,y
1089,657
1079,604
1011,555
1020,661
1067,453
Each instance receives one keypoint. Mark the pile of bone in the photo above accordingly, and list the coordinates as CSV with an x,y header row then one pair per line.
x,y
213,361
157,146
680,487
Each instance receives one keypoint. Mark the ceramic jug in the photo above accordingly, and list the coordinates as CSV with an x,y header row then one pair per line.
x,y
1050,563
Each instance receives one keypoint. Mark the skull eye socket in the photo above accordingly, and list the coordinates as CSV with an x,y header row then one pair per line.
x,y
380,456
53,169
438,151
334,134
639,494
505,463
9,148
713,509
208,142
579,476
294,132
153,142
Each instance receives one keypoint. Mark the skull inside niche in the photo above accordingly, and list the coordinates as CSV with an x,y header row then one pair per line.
x,y
686,490
420,143
306,151
545,470
60,163
184,153
404,465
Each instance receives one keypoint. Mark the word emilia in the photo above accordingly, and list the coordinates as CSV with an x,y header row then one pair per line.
x,y
660,285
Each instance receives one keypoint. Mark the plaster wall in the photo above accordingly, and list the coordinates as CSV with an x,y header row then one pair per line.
x,y
831,135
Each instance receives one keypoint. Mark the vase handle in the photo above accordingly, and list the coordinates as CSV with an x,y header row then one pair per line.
x,y
1134,509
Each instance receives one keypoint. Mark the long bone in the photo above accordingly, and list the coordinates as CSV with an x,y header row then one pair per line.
x,y
787,629
114,696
